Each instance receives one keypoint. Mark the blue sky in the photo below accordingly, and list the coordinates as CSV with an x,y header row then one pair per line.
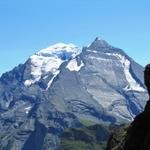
x,y
29,25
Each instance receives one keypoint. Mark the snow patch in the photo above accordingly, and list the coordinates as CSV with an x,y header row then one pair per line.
x,y
92,51
51,81
98,58
27,109
73,65
133,85
29,82
7,104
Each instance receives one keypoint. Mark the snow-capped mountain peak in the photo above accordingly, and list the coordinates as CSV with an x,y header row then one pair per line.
x,y
49,60
59,47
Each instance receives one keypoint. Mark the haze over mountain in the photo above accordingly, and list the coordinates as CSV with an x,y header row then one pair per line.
x,y
62,85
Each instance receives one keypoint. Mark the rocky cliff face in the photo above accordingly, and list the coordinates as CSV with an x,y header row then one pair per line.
x,y
61,85
137,135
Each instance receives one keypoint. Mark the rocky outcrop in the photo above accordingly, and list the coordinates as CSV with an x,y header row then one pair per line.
x,y
138,133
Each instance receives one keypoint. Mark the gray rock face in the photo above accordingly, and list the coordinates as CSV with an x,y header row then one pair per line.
x,y
59,86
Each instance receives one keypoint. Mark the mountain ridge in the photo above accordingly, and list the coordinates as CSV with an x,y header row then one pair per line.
x,y
61,85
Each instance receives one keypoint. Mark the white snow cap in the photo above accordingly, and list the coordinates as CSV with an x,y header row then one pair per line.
x,y
49,60
59,47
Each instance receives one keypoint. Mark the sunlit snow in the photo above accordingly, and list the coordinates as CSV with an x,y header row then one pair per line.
x,y
49,60
27,109
73,65
51,81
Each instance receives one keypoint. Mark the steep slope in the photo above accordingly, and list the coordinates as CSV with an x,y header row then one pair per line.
x,y
59,86
136,136
117,137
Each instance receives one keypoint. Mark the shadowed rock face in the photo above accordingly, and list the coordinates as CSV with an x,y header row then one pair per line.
x,y
138,133
147,77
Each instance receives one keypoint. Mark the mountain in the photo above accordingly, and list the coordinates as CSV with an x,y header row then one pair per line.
x,y
61,86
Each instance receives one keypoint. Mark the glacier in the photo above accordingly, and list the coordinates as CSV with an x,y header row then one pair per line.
x,y
49,60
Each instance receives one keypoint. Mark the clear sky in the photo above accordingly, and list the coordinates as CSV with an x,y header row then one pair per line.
x,y
27,26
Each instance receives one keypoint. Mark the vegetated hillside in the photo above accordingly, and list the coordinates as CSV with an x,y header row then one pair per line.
x,y
117,138
89,137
